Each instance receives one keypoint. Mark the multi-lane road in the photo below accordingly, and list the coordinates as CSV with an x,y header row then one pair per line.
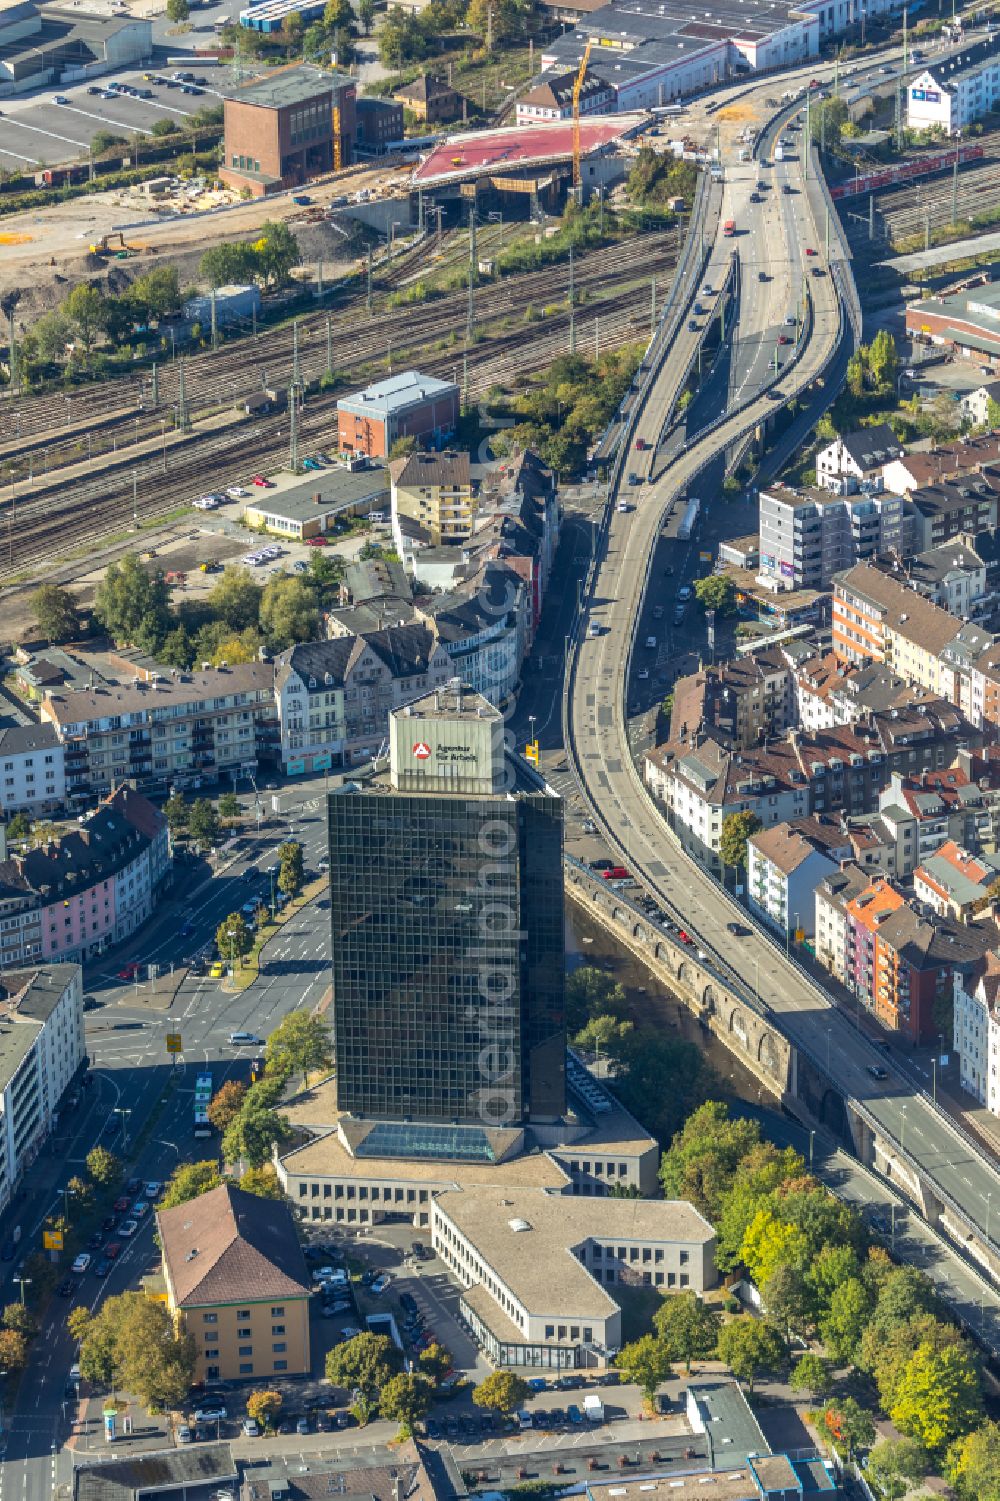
x,y
126,1040
622,582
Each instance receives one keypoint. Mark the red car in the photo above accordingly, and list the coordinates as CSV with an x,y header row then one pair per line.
x,y
316,542
122,1204
265,484
784,339
129,972
112,1249
810,250
616,873
685,937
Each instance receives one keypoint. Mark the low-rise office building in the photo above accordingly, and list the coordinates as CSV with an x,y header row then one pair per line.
x,y
279,129
42,1049
310,508
235,1279
539,1270
181,729
964,320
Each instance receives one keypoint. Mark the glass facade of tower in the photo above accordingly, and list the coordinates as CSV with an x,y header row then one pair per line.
x,y
447,956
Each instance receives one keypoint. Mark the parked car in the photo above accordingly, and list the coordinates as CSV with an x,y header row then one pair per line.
x,y
113,1250
128,1227
302,1426
102,1268
184,1434
380,1284
251,1428
211,1415
81,1263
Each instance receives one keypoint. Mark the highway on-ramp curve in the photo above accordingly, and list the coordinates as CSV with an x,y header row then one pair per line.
x,y
596,729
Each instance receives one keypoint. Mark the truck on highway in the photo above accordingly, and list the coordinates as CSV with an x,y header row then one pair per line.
x,y
689,519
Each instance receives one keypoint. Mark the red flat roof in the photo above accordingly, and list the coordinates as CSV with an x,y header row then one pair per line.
x,y
496,150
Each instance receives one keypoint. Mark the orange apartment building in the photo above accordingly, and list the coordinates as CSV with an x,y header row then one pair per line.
x,y
234,1277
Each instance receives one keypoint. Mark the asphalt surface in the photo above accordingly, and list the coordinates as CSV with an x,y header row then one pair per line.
x,y
641,837
126,1040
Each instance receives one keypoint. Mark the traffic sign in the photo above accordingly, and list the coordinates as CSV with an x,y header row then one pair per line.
x,y
174,1042
52,1240
531,752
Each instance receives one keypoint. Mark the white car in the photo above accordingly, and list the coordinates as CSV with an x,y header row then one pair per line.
x,y
60,99
128,1227
380,1284
211,1415
82,1262
236,492
203,504
152,1189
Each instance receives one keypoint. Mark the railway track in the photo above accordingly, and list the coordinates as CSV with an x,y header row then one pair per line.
x,y
32,530
219,377
907,211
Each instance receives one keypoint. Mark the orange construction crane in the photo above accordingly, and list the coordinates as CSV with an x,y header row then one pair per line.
x,y
577,90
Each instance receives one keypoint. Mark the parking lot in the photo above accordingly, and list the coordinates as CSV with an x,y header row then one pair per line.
x,y
38,131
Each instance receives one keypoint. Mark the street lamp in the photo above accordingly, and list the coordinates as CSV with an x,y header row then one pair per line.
x,y
231,935
67,1193
902,1128
25,1282
812,1138
829,1039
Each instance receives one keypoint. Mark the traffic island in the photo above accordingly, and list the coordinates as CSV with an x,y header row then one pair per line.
x,y
249,967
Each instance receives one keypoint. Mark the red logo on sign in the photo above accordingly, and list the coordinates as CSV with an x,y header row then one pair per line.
x,y
421,750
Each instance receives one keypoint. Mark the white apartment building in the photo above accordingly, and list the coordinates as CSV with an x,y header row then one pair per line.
x,y
830,899
977,1031
32,769
856,458
956,91
784,866
41,1049
809,534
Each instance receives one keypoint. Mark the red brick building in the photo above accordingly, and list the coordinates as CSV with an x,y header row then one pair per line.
x,y
409,405
279,129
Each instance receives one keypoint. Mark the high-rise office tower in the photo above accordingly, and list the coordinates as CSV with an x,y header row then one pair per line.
x,y
446,906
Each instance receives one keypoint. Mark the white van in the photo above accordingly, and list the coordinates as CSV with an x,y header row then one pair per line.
x,y
524,1419
245,1039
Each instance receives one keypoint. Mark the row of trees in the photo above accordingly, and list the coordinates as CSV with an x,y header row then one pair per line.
x,y
820,1279
410,37
575,400
236,619
656,177
268,259
66,337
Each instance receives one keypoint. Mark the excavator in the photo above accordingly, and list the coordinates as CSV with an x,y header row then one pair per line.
x,y
106,243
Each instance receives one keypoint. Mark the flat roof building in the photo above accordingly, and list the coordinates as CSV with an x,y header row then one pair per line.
x,y
967,320
421,854
301,509
408,405
287,127
955,92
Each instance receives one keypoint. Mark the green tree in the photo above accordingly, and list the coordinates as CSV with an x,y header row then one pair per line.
x,y
13,1350
604,1034
55,613
229,806
705,1157
176,649
251,1135
178,11
811,1375
762,1171
158,291
844,1323
203,822
939,1397
80,1191
19,826
647,1362
886,1353
300,1044
277,252
21,1319
227,1103
85,308
52,333
225,264
770,1242
788,1299
894,1464
717,592
132,605
190,1180
233,938
750,1346
502,1391
103,1166
591,992
132,1343
366,15
78,1321
103,141
364,1363
856,375
175,811
264,1406
263,1182
883,361
435,1362
737,828
288,612
688,1327
973,1464
292,871
850,1424
992,414
236,599
405,1399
